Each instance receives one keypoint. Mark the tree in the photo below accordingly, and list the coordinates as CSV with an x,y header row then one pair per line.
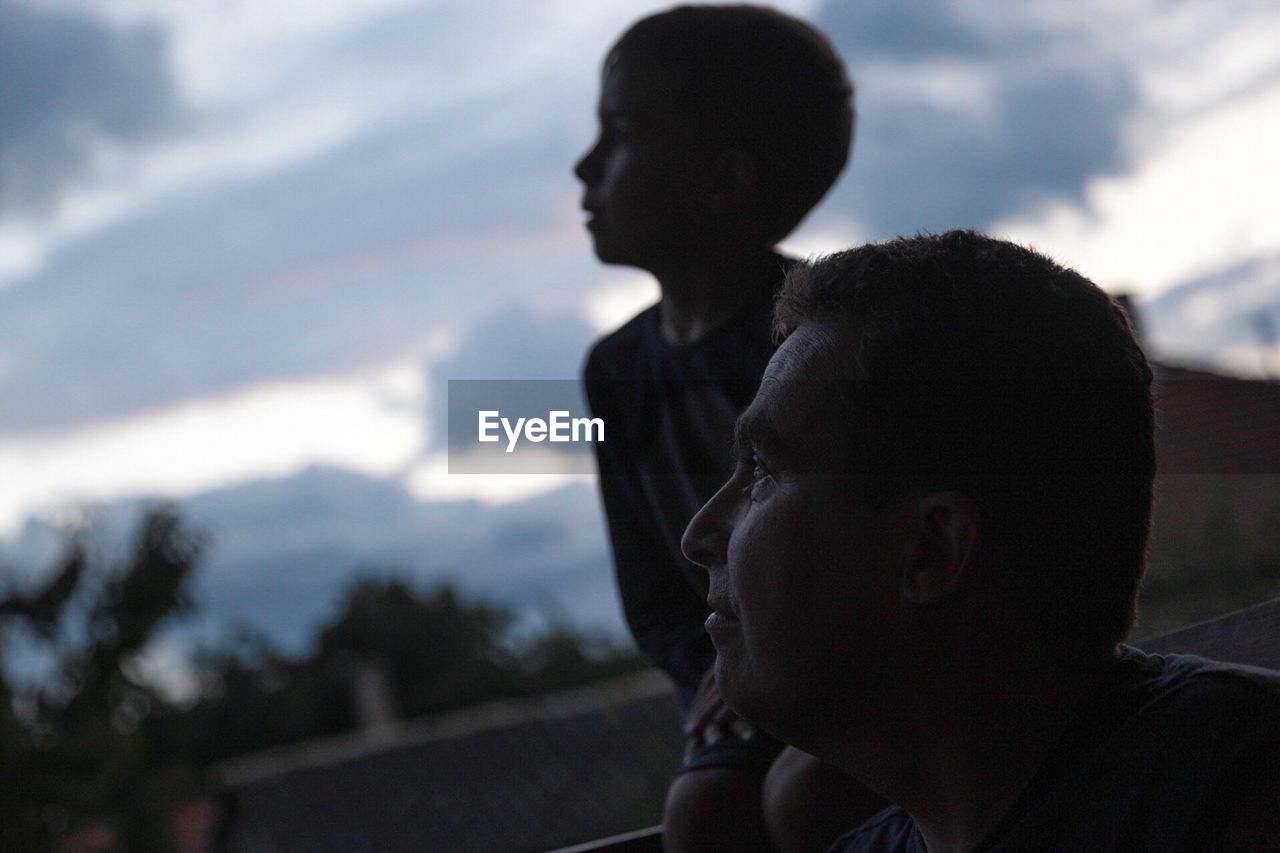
x,y
71,748
94,742
433,650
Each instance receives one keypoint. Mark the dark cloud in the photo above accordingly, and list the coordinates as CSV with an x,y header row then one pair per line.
x,y
66,82
513,343
1236,308
338,262
902,29
1052,119
283,550
344,259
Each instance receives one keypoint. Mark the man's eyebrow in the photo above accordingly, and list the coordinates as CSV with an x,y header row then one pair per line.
x,y
754,429
741,438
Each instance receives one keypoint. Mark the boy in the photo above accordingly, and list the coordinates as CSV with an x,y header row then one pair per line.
x,y
720,128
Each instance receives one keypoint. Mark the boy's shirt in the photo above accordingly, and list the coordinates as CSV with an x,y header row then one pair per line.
x,y
669,412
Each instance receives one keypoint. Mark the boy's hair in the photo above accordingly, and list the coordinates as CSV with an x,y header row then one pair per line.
x,y
982,366
758,80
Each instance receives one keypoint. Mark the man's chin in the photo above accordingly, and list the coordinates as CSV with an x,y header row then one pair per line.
x,y
728,683
746,698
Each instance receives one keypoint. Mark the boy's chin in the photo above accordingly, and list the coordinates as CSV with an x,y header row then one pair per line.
x,y
608,253
626,254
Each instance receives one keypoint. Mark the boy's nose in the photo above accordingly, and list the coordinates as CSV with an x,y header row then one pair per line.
x,y
706,539
585,168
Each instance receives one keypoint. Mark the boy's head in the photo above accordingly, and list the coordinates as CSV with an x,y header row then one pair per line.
x,y
708,114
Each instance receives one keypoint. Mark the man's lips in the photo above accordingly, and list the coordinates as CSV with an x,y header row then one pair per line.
x,y
721,618
721,605
720,624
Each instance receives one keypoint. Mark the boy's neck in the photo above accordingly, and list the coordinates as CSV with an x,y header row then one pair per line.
x,y
701,296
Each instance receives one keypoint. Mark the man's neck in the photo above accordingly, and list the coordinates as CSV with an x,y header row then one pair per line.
x,y
701,296
959,762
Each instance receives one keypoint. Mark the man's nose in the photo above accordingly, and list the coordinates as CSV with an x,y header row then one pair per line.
x,y
706,539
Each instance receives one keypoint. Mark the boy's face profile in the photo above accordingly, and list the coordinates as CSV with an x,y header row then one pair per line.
x,y
642,177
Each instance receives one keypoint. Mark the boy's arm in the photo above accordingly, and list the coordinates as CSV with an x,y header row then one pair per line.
x,y
662,610
664,613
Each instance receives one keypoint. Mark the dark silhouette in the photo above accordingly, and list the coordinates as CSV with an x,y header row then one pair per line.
x,y
928,554
94,756
77,752
720,128
391,652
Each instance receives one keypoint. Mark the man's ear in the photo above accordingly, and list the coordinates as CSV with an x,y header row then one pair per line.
x,y
940,546
733,181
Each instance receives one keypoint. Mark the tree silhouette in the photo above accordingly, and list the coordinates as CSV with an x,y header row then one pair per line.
x,y
93,743
75,751
432,650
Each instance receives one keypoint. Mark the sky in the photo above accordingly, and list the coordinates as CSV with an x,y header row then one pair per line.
x,y
244,245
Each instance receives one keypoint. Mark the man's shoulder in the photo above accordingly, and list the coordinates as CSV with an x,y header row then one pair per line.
x,y
1204,685
890,831
1179,750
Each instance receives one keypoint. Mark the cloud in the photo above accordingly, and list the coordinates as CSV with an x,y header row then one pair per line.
x,y
284,549
434,213
342,262
70,87
368,423
1205,197
1226,319
900,29
516,342
513,343
960,126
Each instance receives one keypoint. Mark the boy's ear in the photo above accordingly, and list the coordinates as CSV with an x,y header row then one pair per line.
x,y
939,546
733,180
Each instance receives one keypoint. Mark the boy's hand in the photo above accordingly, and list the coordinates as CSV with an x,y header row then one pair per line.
x,y
710,718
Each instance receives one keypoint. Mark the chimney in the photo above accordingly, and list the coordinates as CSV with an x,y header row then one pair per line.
x,y
375,707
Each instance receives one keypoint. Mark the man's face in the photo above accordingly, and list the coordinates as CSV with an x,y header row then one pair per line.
x,y
796,560
642,176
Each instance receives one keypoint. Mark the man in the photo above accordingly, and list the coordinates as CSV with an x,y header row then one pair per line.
x,y
928,554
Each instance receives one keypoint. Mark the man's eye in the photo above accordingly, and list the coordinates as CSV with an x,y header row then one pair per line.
x,y
761,479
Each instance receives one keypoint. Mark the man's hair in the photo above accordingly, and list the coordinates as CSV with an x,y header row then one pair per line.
x,y
758,80
978,365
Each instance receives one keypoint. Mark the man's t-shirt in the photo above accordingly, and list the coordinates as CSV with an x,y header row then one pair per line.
x,y
669,412
1159,761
